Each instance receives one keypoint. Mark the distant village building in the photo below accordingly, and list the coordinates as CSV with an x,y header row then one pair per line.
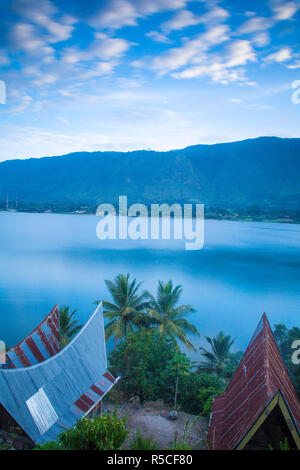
x,y
259,408
45,391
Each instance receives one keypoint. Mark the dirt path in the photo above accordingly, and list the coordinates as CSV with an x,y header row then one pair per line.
x,y
152,421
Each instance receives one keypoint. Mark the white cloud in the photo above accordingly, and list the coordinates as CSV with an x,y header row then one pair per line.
x,y
180,20
261,39
158,37
255,24
25,37
63,120
42,14
282,11
103,47
19,101
186,18
285,11
98,70
281,55
224,71
4,60
239,53
294,66
118,13
192,50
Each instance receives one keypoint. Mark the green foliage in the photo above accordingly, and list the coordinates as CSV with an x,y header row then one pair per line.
x,y
178,366
104,432
180,446
285,338
196,391
284,445
6,446
181,442
128,308
142,443
218,359
150,365
167,317
208,405
68,326
141,361
51,445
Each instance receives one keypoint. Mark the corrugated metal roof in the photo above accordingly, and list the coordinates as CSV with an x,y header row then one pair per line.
x,y
259,376
72,382
42,343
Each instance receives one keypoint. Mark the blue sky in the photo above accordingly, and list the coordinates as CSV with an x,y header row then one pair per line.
x,y
141,74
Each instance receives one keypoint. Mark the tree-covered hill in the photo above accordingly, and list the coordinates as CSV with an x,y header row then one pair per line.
x,y
263,171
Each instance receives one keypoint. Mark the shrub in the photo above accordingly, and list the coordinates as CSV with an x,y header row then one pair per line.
x,y
104,432
143,360
142,443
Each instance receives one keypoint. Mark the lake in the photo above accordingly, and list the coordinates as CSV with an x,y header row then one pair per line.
x,y
244,269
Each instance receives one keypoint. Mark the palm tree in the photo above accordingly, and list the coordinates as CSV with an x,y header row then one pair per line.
x,y
128,309
219,357
167,316
68,327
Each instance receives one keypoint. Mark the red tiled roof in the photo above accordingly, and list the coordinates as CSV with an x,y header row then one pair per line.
x,y
259,376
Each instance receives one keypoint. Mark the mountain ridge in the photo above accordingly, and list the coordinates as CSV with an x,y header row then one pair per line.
x,y
263,171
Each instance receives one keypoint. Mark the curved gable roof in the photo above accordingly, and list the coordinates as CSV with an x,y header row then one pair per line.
x,y
51,396
43,342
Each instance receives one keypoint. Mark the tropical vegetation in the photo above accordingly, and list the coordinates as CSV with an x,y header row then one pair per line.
x,y
69,327
128,308
167,317
285,338
103,432
218,359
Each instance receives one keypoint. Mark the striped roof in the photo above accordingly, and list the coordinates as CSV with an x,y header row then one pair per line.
x,y
50,396
260,375
42,343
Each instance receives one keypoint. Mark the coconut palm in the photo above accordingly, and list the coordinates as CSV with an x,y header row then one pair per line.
x,y
167,316
218,359
128,309
68,327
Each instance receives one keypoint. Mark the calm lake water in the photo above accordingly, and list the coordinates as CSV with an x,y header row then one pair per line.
x,y
243,270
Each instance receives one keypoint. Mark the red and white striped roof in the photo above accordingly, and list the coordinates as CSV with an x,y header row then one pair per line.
x,y
41,344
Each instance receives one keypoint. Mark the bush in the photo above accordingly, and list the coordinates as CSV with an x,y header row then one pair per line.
x,y
141,360
104,432
196,390
51,445
207,407
180,446
181,442
142,443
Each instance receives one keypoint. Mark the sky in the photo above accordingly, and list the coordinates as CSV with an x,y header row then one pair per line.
x,y
145,74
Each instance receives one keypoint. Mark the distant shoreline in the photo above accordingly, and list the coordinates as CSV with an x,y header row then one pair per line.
x,y
207,217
